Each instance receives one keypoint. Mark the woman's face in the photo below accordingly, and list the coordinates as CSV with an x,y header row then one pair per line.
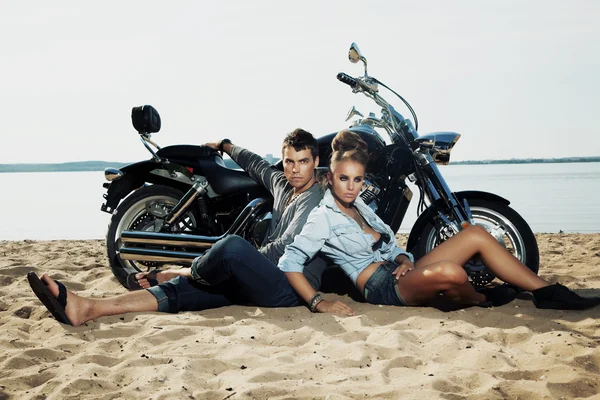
x,y
346,181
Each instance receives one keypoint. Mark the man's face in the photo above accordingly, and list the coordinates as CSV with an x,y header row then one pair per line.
x,y
299,167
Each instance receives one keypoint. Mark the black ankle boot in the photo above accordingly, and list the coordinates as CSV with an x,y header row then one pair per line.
x,y
498,296
559,297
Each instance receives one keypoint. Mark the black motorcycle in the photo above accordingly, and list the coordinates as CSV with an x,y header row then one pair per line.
x,y
185,199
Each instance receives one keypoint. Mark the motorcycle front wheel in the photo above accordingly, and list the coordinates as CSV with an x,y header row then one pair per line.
x,y
500,220
138,213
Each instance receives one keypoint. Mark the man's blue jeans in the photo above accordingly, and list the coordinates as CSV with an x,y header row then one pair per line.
x,y
231,272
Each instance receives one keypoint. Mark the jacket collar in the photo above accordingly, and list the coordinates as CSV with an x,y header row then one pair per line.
x,y
329,201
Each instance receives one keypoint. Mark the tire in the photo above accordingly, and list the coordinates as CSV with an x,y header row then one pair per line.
x,y
133,214
504,223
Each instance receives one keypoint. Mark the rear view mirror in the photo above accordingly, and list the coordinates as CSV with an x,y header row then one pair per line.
x,y
354,53
354,56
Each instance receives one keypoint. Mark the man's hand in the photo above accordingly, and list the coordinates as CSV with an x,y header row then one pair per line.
x,y
226,147
334,307
214,146
403,268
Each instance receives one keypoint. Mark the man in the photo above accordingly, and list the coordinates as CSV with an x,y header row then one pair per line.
x,y
236,272
294,190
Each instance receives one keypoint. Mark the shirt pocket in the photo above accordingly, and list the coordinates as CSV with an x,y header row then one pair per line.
x,y
348,239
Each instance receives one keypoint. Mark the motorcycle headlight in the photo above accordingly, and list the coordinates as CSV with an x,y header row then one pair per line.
x,y
439,144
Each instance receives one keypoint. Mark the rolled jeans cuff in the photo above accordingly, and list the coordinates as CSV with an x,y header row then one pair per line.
x,y
194,271
161,298
193,268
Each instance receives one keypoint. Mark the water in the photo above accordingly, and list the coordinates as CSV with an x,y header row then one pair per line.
x,y
52,205
550,197
66,205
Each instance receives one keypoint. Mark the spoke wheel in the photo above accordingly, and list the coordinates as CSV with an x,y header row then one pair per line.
x,y
502,222
140,212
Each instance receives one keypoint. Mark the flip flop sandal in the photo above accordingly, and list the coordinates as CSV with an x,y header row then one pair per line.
x,y
133,284
56,305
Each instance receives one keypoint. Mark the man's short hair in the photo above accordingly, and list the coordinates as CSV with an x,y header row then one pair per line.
x,y
300,140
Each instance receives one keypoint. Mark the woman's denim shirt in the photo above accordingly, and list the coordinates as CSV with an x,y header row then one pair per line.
x,y
339,237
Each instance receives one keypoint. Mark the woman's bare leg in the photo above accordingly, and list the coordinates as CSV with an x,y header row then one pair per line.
x,y
476,241
422,286
80,309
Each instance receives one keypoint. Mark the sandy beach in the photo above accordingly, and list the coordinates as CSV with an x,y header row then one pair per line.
x,y
514,351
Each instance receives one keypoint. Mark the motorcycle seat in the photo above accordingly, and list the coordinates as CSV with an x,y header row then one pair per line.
x,y
187,151
209,163
224,180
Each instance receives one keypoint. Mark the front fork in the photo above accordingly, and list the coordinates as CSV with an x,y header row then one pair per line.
x,y
437,191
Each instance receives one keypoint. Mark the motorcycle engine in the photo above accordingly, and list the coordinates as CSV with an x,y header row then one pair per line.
x,y
369,194
259,229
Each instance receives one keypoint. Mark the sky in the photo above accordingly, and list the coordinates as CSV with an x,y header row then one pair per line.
x,y
517,79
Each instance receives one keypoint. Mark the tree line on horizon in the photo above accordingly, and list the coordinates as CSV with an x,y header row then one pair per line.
x,y
531,160
101,165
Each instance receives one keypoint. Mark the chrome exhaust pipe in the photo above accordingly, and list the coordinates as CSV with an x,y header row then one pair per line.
x,y
157,255
143,238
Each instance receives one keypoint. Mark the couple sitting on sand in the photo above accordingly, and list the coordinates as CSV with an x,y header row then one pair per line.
x,y
306,225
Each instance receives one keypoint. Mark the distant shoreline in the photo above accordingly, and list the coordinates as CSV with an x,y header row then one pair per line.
x,y
79,166
76,166
562,160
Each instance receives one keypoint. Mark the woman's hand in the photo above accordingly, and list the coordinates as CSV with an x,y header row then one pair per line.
x,y
403,268
334,307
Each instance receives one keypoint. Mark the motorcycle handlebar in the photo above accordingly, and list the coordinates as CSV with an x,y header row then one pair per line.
x,y
347,79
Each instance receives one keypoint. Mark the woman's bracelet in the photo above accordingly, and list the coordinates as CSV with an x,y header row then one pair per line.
x,y
314,301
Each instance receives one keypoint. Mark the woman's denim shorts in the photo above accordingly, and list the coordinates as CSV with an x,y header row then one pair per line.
x,y
382,287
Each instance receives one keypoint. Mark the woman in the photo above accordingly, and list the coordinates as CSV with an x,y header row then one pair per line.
x,y
345,229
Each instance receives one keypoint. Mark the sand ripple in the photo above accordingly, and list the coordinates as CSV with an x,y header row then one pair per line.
x,y
515,351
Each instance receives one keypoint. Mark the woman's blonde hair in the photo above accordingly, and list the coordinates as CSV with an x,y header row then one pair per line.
x,y
348,145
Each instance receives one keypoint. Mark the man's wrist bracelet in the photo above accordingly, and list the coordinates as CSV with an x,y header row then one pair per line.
x,y
223,143
314,301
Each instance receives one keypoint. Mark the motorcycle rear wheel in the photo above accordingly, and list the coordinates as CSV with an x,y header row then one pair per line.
x,y
134,213
504,223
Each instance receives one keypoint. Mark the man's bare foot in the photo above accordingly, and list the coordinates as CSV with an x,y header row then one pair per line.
x,y
78,308
161,276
